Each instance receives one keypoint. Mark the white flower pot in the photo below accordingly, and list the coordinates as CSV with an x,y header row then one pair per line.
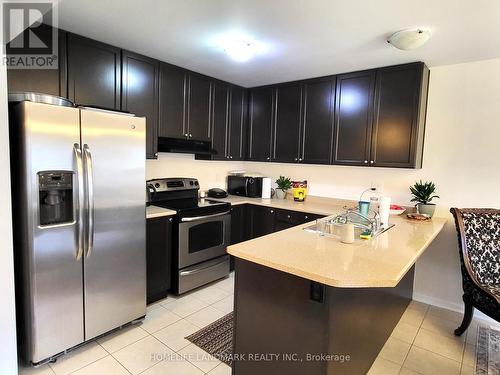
x,y
280,194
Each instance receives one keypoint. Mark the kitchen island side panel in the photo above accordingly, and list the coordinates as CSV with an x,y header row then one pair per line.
x,y
361,320
284,323
274,316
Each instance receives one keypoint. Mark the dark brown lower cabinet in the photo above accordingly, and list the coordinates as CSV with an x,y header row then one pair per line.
x,y
299,320
158,257
262,220
240,230
284,219
251,221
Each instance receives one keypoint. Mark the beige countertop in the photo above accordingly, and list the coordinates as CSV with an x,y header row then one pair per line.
x,y
378,262
313,205
155,211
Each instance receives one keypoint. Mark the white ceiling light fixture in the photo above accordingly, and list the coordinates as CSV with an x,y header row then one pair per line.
x,y
409,39
239,47
240,50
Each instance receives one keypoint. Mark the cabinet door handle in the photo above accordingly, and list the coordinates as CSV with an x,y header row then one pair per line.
x,y
186,135
366,161
268,158
170,219
295,159
371,162
190,136
230,157
288,216
306,217
300,159
271,211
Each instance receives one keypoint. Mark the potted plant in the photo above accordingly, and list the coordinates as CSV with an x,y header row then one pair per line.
x,y
423,194
284,184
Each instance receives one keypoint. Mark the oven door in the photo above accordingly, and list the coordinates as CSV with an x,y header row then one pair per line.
x,y
203,238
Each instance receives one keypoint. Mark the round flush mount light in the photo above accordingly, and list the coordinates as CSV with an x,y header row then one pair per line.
x,y
239,49
239,46
409,39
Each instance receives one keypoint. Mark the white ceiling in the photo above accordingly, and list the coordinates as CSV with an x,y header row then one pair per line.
x,y
307,38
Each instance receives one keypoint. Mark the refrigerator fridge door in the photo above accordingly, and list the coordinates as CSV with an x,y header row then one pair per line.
x,y
115,246
48,183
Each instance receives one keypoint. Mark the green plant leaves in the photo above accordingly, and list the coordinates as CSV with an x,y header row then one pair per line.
x,y
423,192
284,183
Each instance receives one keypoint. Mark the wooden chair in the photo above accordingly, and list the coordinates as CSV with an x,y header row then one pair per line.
x,y
479,242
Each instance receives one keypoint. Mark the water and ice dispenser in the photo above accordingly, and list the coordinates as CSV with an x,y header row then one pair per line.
x,y
55,194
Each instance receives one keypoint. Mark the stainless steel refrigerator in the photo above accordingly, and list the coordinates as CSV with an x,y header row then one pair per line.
x,y
79,223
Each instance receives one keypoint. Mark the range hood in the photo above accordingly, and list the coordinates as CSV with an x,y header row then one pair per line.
x,y
186,146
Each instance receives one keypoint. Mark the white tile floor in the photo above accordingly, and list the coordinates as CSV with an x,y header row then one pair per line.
x,y
422,342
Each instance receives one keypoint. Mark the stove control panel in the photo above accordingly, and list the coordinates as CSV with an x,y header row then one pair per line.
x,y
173,184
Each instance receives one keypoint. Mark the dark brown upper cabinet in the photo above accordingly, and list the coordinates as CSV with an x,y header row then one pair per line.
x,y
140,88
317,131
93,73
45,81
173,99
228,121
261,122
199,107
220,119
353,117
399,120
237,125
287,123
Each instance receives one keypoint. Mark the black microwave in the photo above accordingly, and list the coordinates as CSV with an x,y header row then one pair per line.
x,y
245,186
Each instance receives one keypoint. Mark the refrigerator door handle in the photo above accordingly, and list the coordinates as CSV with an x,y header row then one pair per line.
x,y
81,199
90,198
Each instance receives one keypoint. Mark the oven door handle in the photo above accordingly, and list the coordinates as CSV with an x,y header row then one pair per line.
x,y
197,218
197,270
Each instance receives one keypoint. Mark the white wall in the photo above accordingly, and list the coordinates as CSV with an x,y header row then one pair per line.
x,y
462,156
8,351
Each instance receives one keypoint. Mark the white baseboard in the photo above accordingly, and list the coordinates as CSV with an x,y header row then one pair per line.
x,y
458,307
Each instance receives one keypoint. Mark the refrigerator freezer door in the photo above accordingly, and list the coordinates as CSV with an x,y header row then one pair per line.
x,y
46,178
115,256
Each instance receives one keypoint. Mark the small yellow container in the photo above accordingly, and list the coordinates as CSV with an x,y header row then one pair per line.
x,y
299,190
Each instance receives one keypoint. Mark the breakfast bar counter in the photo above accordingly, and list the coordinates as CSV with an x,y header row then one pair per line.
x,y
303,297
378,262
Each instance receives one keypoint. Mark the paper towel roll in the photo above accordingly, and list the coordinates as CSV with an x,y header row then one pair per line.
x,y
266,187
383,209
347,233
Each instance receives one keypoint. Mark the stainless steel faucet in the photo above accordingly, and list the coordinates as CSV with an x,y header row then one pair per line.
x,y
371,224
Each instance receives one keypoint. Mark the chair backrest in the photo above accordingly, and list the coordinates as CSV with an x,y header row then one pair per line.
x,y
479,241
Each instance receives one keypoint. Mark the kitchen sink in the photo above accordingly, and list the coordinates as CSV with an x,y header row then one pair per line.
x,y
328,227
